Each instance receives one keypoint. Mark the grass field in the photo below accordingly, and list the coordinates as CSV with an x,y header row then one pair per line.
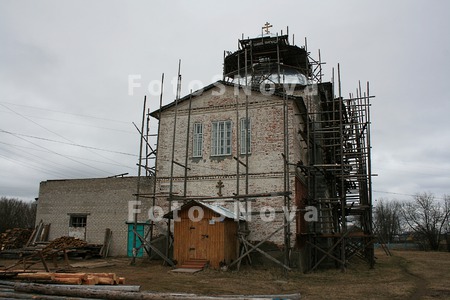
x,y
405,275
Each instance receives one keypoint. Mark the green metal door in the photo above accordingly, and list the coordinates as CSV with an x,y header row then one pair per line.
x,y
140,231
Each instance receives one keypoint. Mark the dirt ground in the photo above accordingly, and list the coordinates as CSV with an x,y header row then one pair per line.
x,y
405,275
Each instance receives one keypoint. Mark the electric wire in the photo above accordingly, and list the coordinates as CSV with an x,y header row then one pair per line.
x,y
11,155
60,142
73,156
43,170
67,113
74,123
59,154
51,131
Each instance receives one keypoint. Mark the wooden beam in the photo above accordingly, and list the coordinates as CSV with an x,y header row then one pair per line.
x,y
253,247
325,252
269,256
143,241
329,251
48,289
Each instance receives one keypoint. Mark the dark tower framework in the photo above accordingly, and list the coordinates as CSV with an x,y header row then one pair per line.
x,y
267,58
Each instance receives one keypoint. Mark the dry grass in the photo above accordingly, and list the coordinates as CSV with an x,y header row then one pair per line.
x,y
406,275
431,270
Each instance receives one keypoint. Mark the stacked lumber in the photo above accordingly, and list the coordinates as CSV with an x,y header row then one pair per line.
x,y
65,242
76,247
59,246
72,278
90,250
14,238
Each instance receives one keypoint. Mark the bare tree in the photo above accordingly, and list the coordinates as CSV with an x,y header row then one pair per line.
x,y
387,219
427,217
15,213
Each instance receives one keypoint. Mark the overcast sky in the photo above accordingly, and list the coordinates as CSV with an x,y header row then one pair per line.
x,y
66,112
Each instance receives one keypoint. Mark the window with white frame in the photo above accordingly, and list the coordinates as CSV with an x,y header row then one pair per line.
x,y
245,136
221,138
197,147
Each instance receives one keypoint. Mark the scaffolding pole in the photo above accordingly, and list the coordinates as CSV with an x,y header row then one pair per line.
x,y
138,189
155,175
172,162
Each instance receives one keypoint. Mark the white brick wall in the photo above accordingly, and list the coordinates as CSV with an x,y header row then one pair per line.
x,y
105,200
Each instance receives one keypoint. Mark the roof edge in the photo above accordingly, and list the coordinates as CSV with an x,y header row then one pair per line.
x,y
199,92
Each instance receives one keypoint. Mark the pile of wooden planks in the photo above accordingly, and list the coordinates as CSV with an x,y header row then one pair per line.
x,y
75,247
65,242
14,238
60,246
71,278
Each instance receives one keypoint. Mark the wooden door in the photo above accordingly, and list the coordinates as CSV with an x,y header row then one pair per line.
x,y
198,239
192,244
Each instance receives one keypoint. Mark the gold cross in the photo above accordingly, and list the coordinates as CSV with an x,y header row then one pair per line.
x,y
219,186
266,27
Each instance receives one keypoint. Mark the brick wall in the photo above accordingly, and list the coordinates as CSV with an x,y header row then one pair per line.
x,y
104,200
265,161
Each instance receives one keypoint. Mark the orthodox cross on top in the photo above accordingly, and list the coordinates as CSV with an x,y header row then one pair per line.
x,y
266,27
219,186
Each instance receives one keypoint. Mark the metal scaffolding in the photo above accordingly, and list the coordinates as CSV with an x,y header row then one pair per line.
x,y
336,135
340,157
